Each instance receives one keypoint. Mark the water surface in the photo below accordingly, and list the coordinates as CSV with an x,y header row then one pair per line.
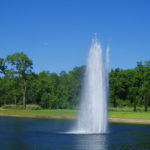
x,y
50,134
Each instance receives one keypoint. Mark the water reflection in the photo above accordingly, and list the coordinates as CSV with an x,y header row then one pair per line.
x,y
92,142
38,134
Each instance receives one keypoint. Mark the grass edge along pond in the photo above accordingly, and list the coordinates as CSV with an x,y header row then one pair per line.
x,y
126,117
44,113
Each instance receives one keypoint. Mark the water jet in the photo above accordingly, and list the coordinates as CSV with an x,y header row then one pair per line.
x,y
93,115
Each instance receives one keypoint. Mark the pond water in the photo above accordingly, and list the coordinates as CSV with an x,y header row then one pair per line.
x,y
50,134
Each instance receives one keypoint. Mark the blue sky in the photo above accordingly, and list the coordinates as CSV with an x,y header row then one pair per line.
x,y
57,34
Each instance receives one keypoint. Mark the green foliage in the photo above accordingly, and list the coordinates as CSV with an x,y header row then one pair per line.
x,y
45,100
19,85
22,107
16,107
123,103
3,67
133,85
33,107
22,64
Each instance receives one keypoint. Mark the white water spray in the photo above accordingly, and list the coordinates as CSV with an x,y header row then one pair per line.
x,y
93,116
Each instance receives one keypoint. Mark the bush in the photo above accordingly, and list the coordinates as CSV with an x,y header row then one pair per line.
x,y
17,107
33,107
22,107
121,109
123,103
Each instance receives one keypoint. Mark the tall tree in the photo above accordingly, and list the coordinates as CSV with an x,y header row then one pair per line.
x,y
115,86
52,90
22,66
3,67
133,89
146,84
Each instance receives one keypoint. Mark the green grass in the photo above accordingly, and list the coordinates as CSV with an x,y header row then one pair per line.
x,y
130,115
72,113
127,109
40,113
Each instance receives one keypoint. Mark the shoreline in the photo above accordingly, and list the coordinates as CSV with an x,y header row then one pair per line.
x,y
130,121
38,116
111,120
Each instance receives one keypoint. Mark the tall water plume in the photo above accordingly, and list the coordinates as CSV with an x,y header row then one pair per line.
x,y
93,116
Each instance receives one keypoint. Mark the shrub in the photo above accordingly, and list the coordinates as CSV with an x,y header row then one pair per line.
x,y
17,107
22,107
122,103
33,107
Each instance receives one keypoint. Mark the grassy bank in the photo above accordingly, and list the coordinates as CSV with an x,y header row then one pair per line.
x,y
61,113
130,115
127,109
40,113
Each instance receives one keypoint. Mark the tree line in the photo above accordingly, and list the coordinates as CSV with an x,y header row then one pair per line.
x,y
20,85
131,87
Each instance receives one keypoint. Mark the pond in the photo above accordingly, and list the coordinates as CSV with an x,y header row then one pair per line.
x,y
50,134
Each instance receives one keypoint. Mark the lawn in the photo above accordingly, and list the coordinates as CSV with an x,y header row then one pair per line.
x,y
66,113
129,115
40,113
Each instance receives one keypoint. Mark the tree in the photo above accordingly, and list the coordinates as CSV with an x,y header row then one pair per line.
x,y
22,66
53,87
133,89
31,95
140,82
75,85
43,89
63,90
116,86
3,67
146,84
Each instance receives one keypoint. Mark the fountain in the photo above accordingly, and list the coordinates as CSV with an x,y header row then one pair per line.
x,y
94,105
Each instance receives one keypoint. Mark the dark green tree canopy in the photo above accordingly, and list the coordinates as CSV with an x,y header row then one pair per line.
x,y
3,67
21,63
19,85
